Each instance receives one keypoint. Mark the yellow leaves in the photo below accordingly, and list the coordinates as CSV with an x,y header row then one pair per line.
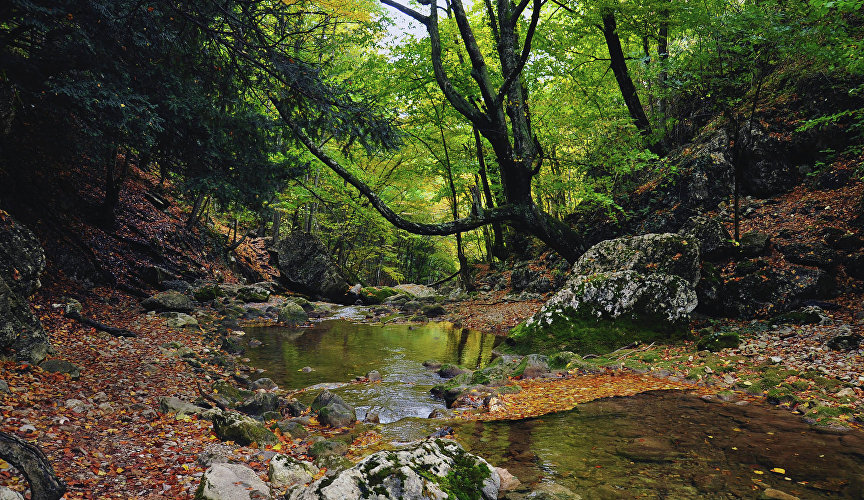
x,y
758,472
277,446
778,470
539,397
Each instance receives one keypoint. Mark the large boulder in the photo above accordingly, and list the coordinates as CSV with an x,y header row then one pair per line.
x,y
333,411
431,469
418,291
21,262
626,289
667,253
170,300
765,290
231,482
307,267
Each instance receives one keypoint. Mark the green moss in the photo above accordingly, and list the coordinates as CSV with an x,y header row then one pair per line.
x,y
376,295
228,391
718,341
465,478
587,335
207,292
561,359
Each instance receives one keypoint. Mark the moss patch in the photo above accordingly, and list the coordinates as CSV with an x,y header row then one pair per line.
x,y
587,336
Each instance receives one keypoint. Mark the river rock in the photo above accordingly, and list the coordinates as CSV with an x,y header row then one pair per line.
x,y
419,471
449,370
259,404
171,404
61,366
625,294
665,254
243,430
326,448
284,471
374,376
180,320
293,429
8,494
332,410
168,301
292,313
231,482
508,481
21,262
306,266
532,366
253,294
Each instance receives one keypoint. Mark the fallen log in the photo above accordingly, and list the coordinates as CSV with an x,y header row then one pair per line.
x,y
27,458
117,332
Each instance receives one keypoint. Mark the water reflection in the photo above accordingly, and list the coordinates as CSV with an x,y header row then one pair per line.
x,y
673,445
339,351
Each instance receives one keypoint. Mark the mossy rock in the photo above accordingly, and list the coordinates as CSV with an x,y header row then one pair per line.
x,y
806,316
496,373
433,310
560,360
567,331
243,430
532,366
292,313
207,292
718,341
233,394
253,294
377,295
327,447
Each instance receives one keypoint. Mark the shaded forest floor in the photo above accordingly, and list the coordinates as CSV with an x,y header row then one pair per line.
x,y
106,438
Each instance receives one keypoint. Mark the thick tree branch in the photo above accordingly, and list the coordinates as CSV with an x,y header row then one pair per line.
x,y
424,20
479,70
526,52
500,214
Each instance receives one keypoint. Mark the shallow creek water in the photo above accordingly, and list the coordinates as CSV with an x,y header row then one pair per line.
x,y
654,445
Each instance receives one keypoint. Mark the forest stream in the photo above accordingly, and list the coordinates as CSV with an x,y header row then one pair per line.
x,y
662,444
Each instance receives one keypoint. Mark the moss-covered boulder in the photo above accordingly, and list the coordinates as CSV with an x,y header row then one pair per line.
x,y
373,295
594,313
253,294
333,411
292,313
498,372
243,430
532,366
431,469
207,292
665,254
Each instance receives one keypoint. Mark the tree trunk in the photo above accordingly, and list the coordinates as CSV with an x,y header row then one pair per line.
x,y
625,83
498,249
277,226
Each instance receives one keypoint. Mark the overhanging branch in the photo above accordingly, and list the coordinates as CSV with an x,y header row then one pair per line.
x,y
500,214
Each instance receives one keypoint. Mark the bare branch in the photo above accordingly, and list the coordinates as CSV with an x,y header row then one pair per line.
x,y
408,11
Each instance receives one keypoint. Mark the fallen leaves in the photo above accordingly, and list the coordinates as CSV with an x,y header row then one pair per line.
x,y
542,396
